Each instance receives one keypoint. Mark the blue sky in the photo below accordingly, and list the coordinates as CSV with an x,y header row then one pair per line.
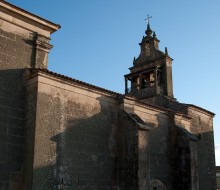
x,y
99,38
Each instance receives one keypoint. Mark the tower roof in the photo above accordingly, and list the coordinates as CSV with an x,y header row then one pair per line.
x,y
148,32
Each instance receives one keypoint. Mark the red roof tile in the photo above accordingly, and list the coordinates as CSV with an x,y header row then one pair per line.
x,y
75,80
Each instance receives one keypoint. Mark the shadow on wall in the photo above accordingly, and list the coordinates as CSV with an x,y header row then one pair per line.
x,y
192,160
17,52
12,122
160,157
86,152
181,159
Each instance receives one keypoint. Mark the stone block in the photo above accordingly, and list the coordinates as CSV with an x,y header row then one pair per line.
x,y
14,130
3,138
12,139
3,128
15,149
8,35
4,172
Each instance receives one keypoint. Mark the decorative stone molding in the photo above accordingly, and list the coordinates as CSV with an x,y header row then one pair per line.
x,y
42,43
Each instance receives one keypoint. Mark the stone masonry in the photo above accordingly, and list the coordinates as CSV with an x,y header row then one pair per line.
x,y
60,133
23,44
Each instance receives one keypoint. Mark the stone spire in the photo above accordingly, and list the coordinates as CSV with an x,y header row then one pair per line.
x,y
148,32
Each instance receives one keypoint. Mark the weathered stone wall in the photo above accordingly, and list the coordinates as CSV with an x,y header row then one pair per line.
x,y
160,167
31,105
143,160
75,138
20,48
128,152
202,124
159,142
15,55
180,160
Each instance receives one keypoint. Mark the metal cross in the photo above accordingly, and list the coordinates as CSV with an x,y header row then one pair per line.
x,y
148,19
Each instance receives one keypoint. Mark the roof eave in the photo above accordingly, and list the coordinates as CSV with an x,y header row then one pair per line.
x,y
31,18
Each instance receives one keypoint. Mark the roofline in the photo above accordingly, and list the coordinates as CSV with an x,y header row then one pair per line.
x,y
51,73
201,109
47,72
157,107
140,72
34,18
163,56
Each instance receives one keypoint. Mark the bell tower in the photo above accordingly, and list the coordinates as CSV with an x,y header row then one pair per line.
x,y
151,73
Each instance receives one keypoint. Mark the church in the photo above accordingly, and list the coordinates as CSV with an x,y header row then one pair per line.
x,y
59,133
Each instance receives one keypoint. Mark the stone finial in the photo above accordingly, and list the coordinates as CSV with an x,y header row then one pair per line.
x,y
166,51
148,32
134,60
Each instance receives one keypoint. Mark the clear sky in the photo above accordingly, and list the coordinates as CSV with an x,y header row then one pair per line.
x,y
99,38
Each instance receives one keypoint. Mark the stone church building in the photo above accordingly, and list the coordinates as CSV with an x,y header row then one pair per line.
x,y
57,132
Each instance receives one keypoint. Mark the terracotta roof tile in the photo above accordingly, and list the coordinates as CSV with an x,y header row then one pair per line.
x,y
111,92
75,80
95,87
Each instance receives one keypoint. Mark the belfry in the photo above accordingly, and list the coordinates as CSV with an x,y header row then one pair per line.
x,y
151,73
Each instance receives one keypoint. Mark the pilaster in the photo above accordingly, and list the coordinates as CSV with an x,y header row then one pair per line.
x,y
42,49
143,160
168,77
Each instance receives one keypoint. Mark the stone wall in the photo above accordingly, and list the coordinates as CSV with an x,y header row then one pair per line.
x,y
202,124
57,134
24,43
127,134
75,137
31,108
160,167
15,55
158,143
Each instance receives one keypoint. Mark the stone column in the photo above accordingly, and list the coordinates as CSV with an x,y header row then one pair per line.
x,y
156,81
42,49
126,86
139,83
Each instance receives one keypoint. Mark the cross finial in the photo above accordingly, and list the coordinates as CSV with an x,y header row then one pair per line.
x,y
148,19
148,31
